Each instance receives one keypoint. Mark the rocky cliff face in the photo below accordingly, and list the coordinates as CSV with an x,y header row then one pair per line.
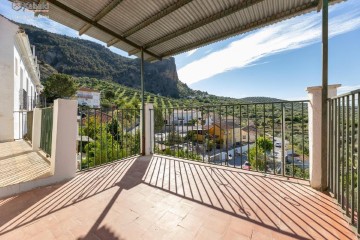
x,y
84,58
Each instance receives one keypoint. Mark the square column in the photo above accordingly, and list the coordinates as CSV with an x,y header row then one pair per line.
x,y
318,168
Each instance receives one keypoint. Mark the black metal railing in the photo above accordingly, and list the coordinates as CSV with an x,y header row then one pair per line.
x,y
107,135
46,129
343,153
265,137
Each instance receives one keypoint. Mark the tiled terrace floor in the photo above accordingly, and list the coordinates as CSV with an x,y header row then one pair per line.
x,y
162,198
19,163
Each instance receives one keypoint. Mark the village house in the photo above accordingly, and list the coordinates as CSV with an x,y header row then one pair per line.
x,y
20,78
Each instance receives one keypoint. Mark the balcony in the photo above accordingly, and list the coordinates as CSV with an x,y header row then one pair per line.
x,y
182,190
167,198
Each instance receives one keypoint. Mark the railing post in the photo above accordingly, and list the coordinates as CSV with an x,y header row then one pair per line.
x,y
36,129
63,148
318,169
149,129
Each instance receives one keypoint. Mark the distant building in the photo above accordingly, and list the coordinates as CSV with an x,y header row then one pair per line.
x,y
20,80
88,97
180,117
229,134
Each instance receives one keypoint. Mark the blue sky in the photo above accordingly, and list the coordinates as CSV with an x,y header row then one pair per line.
x,y
277,61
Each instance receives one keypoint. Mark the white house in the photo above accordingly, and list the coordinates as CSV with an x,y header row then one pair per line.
x,y
20,80
88,97
180,117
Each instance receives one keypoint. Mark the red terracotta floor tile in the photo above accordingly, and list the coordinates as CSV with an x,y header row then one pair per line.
x,y
163,198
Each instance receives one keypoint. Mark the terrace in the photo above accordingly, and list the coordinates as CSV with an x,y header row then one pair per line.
x,y
167,198
113,178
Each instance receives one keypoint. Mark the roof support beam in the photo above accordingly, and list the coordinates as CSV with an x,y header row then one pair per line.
x,y
100,15
251,26
112,42
99,26
204,21
156,17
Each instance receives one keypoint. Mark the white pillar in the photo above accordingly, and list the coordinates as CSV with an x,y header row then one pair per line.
x,y
36,129
149,129
315,109
63,148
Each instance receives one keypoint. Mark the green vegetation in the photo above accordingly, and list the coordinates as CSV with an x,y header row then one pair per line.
x,y
111,140
59,86
258,155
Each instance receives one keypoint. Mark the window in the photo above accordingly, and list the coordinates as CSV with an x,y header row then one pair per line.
x,y
16,66
244,137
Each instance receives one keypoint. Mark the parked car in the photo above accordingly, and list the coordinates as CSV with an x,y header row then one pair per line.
x,y
278,144
246,166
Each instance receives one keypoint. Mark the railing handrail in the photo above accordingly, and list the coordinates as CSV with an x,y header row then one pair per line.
x,y
236,104
346,94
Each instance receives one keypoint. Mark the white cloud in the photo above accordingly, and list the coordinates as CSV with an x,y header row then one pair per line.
x,y
291,34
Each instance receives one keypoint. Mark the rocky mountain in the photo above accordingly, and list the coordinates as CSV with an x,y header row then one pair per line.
x,y
83,58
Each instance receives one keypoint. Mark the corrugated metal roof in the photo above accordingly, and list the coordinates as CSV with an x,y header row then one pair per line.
x,y
168,27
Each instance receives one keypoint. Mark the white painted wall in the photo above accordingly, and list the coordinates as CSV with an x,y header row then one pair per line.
x,y
19,71
91,99
315,109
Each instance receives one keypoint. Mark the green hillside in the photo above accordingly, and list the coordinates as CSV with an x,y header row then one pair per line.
x,y
83,58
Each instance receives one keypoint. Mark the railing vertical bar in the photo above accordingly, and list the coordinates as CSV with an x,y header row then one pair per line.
x,y
112,134
81,134
182,129
101,136
208,134
241,137
335,111
177,135
197,130
220,137
202,133
303,140
292,139
352,157
233,135
95,118
248,133
256,137
343,153
273,136
88,127
264,126
338,181
214,135
329,129
226,136
357,164
347,155
283,138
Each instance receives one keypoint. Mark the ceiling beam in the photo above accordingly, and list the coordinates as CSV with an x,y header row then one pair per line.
x,y
112,42
233,9
156,17
100,15
242,29
99,26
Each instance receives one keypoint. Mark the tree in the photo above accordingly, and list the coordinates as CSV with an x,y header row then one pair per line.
x,y
59,86
257,154
109,94
158,119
